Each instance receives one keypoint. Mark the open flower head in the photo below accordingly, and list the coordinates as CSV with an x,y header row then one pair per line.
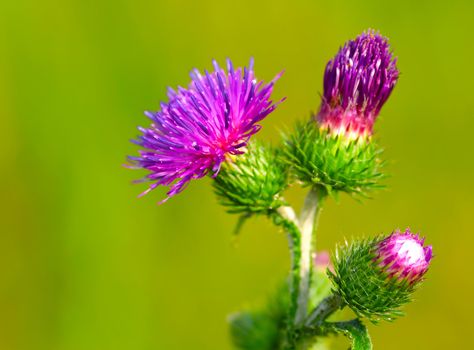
x,y
357,82
201,126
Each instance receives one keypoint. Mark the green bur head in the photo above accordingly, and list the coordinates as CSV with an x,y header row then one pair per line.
x,y
375,283
333,161
252,182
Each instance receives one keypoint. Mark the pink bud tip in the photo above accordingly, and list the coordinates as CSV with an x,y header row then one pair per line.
x,y
403,256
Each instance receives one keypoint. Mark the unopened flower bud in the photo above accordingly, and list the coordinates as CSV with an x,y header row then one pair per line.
x,y
357,82
375,277
335,149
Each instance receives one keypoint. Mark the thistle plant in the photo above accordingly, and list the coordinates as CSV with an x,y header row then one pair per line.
x,y
208,128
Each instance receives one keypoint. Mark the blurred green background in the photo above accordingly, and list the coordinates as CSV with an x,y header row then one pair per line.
x,y
84,264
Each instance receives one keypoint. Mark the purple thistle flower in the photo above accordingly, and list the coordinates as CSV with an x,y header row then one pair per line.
x,y
357,82
202,126
403,256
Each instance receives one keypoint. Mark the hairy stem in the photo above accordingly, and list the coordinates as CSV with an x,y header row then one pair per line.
x,y
290,223
325,309
301,241
288,214
307,224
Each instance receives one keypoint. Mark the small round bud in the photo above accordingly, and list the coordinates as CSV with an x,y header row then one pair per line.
x,y
375,277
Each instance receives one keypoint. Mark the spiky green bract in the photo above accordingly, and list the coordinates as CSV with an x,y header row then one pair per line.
x,y
363,285
262,329
252,182
335,162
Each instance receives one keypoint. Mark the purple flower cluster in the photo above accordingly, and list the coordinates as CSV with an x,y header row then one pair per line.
x,y
193,133
403,256
357,82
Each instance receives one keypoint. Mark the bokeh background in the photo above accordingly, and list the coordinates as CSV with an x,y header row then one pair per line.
x,y
84,264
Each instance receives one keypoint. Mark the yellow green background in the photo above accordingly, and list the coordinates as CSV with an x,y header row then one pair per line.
x,y
85,265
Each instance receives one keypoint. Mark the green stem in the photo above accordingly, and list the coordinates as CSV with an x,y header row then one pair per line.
x,y
325,309
290,222
301,242
307,224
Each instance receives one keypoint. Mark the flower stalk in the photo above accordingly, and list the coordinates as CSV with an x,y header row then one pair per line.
x,y
325,309
290,222
301,240
308,222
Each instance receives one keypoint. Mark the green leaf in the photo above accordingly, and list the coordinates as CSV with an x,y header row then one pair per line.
x,y
262,328
253,331
354,330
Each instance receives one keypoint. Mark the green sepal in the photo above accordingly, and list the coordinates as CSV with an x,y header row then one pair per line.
x,y
251,183
364,286
319,158
240,223
354,330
